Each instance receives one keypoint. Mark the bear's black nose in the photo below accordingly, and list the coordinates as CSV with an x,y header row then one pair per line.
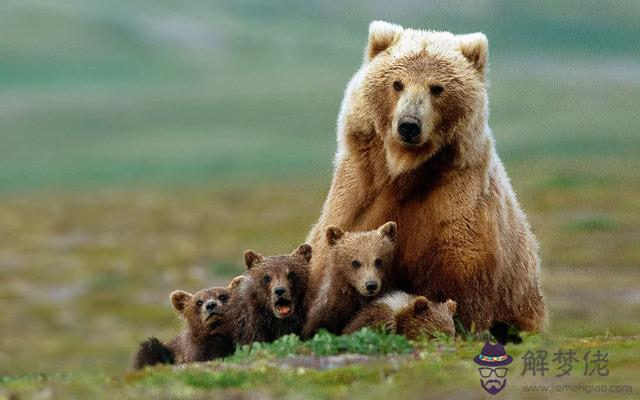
x,y
279,291
409,129
371,286
211,305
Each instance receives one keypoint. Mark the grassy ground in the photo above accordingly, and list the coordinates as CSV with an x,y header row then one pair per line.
x,y
145,145
386,366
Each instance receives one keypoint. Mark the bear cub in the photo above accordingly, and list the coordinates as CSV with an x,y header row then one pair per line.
x,y
201,340
268,299
406,314
354,274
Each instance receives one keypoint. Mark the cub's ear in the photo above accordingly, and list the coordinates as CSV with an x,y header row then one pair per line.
x,y
390,230
381,36
236,282
251,258
452,306
475,48
421,304
304,251
334,234
180,299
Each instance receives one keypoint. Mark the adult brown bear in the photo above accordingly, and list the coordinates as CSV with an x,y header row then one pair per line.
x,y
414,147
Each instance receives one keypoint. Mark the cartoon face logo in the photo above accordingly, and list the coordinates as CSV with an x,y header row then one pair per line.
x,y
492,361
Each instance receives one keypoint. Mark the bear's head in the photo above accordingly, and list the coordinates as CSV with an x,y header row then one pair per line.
x,y
422,92
278,283
360,258
201,311
423,317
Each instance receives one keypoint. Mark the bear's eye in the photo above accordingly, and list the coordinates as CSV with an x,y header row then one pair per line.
x,y
398,86
199,303
291,276
378,262
355,264
223,298
266,279
436,89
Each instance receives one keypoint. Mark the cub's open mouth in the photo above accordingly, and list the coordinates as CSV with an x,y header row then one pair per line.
x,y
282,308
212,317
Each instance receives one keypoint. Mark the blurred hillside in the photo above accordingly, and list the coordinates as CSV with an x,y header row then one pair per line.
x,y
118,92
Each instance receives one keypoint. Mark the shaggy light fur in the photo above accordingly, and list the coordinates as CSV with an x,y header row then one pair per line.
x,y
462,234
405,314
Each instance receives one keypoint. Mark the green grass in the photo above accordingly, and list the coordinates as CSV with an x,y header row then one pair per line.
x,y
365,341
437,367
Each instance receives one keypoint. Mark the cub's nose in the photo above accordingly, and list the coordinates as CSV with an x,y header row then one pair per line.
x,y
279,291
210,305
371,286
409,129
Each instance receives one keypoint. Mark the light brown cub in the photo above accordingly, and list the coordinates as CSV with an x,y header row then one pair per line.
x,y
405,314
354,274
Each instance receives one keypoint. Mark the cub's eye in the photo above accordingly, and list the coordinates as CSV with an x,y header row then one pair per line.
x,y
436,89
355,264
266,279
378,262
223,298
291,275
398,86
199,303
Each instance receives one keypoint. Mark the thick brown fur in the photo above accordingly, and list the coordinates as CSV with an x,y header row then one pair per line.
x,y
463,234
152,352
409,315
268,301
201,339
356,259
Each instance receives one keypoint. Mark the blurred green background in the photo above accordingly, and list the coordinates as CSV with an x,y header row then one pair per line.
x,y
145,144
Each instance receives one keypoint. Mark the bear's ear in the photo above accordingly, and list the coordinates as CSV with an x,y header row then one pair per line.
x,y
381,36
452,306
304,251
236,282
475,48
421,304
251,258
333,235
390,230
180,299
